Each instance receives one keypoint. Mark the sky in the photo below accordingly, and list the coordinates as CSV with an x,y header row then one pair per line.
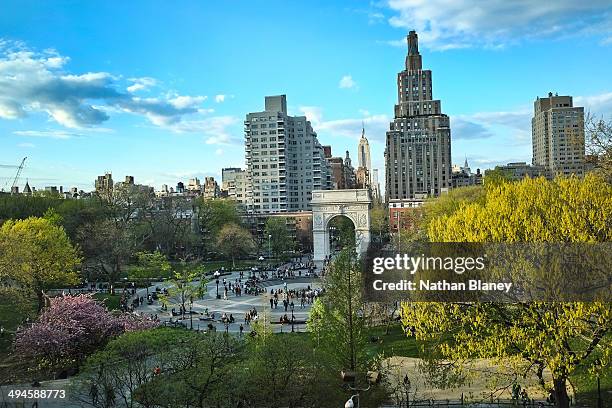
x,y
159,90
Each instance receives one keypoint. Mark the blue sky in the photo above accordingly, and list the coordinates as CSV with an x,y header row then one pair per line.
x,y
159,89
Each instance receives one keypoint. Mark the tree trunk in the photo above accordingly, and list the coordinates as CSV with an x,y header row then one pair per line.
x,y
560,392
40,296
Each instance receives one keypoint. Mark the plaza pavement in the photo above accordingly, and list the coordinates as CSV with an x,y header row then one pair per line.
x,y
235,305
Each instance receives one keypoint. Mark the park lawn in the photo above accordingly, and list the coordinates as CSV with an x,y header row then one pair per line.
x,y
396,343
208,266
111,301
585,384
211,266
13,313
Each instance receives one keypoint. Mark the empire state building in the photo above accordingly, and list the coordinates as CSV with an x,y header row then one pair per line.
x,y
418,143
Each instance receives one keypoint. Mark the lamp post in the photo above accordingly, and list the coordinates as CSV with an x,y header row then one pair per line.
x,y
399,232
269,246
407,389
190,312
292,318
597,365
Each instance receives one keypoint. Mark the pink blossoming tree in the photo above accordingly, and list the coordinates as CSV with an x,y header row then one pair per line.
x,y
72,328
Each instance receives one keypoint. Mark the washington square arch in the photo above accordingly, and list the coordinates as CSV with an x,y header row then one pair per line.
x,y
329,204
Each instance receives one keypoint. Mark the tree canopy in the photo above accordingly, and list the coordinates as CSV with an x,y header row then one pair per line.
x,y
280,239
535,336
38,255
234,241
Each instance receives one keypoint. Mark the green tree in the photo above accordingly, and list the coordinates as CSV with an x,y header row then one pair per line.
x,y
114,375
344,231
560,337
234,241
379,225
337,322
38,255
150,265
164,226
107,247
188,283
213,215
281,370
280,239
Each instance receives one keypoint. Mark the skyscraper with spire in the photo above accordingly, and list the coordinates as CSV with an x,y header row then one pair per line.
x,y
418,143
363,150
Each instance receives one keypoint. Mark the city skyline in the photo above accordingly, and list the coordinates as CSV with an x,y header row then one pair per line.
x,y
166,103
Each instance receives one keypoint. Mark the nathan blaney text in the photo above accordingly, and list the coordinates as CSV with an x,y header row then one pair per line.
x,y
412,264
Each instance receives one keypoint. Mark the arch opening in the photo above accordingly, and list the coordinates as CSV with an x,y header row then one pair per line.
x,y
342,233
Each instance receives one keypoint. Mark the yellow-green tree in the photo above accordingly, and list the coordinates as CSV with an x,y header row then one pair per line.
x,y
37,254
531,337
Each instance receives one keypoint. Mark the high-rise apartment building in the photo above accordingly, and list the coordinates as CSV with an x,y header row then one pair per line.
x,y
194,185
211,188
285,160
557,129
104,185
418,143
228,179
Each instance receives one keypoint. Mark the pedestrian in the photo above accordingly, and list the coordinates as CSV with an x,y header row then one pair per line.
x,y
241,329
271,302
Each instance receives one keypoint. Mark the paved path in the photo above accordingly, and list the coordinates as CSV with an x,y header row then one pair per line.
x,y
236,305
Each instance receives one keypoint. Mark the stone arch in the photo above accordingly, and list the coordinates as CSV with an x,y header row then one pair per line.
x,y
327,204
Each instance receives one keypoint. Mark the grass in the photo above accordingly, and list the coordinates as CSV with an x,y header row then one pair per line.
x,y
395,343
585,384
13,312
111,301
208,266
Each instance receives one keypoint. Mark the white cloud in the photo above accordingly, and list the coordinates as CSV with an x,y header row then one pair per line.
x,y
51,134
313,113
34,82
186,102
26,145
482,125
217,130
598,105
376,125
448,24
347,82
141,84
219,152
220,98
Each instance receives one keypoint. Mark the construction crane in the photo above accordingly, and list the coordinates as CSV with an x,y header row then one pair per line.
x,y
19,169
18,172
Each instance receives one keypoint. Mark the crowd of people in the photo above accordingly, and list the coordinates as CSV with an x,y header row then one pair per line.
x,y
305,296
